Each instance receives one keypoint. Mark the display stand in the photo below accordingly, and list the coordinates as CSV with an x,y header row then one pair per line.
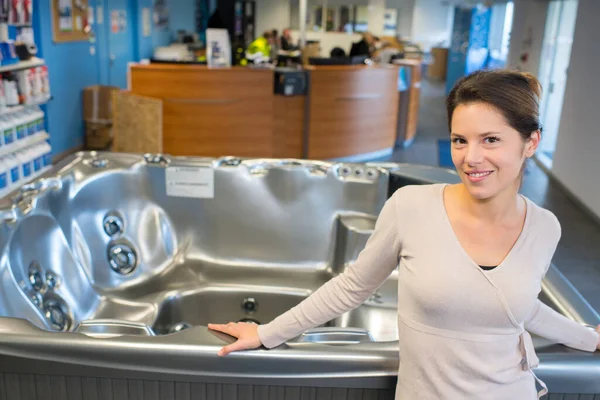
x,y
25,151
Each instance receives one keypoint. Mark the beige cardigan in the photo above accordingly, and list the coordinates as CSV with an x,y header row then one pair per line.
x,y
463,331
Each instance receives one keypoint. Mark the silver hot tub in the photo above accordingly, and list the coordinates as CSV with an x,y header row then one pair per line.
x,y
113,264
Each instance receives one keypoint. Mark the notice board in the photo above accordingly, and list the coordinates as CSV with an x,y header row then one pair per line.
x,y
71,20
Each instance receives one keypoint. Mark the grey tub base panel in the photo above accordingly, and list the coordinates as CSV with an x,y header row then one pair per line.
x,y
27,386
27,379
46,387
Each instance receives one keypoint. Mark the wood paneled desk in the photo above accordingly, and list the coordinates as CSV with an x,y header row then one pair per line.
x,y
210,112
352,111
349,112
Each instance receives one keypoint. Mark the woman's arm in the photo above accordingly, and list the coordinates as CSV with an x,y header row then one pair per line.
x,y
348,290
545,322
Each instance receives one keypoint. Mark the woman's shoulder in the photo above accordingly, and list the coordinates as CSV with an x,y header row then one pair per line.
x,y
411,194
543,220
411,198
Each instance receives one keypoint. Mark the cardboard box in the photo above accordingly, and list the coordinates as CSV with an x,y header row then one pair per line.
x,y
97,104
309,51
98,136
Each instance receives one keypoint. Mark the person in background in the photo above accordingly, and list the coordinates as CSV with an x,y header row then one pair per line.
x,y
337,52
276,45
286,41
364,47
261,47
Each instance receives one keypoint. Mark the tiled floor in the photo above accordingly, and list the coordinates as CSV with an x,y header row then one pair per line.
x,y
578,253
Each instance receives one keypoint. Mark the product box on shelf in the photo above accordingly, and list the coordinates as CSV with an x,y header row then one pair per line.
x,y
20,12
33,85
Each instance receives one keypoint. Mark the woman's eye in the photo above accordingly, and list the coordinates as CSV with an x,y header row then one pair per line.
x,y
492,139
458,141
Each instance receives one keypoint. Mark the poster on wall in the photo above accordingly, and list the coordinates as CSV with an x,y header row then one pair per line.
x,y
122,20
118,21
218,48
161,15
146,22
65,14
91,15
114,21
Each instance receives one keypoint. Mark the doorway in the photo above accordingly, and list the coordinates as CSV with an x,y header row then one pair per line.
x,y
554,65
121,28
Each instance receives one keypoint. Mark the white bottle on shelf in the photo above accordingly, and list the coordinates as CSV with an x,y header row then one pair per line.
x,y
38,158
27,119
25,162
38,118
31,155
31,118
21,124
9,132
3,177
11,93
46,150
3,126
13,166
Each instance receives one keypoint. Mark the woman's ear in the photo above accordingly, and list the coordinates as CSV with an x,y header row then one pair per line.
x,y
533,143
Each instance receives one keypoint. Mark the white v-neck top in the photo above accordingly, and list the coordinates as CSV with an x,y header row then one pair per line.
x,y
463,331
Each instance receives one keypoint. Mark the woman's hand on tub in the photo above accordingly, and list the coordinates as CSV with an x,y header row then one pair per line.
x,y
246,334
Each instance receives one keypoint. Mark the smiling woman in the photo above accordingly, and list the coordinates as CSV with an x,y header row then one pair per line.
x,y
470,259
493,118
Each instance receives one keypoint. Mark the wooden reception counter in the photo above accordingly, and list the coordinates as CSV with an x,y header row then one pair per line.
x,y
352,111
348,112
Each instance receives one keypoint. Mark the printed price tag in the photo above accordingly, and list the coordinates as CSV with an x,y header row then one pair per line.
x,y
196,182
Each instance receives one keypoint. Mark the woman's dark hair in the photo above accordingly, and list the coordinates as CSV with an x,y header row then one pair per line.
x,y
515,94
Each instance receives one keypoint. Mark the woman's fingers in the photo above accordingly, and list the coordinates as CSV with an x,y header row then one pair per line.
x,y
230,328
246,333
236,346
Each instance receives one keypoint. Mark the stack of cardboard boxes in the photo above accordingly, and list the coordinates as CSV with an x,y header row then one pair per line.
x,y
98,117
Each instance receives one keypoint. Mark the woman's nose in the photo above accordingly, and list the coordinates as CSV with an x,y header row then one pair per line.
x,y
474,154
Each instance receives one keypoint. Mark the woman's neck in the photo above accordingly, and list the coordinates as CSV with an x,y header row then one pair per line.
x,y
503,207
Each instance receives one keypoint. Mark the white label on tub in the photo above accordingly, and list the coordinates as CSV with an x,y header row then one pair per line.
x,y
196,182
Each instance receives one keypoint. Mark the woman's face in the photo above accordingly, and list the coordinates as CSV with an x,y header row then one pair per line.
x,y
488,153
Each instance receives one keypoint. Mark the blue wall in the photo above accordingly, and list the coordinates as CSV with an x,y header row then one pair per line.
x,y
146,45
469,48
71,68
182,15
457,55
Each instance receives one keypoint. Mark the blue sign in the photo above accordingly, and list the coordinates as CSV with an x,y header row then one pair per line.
x,y
469,45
